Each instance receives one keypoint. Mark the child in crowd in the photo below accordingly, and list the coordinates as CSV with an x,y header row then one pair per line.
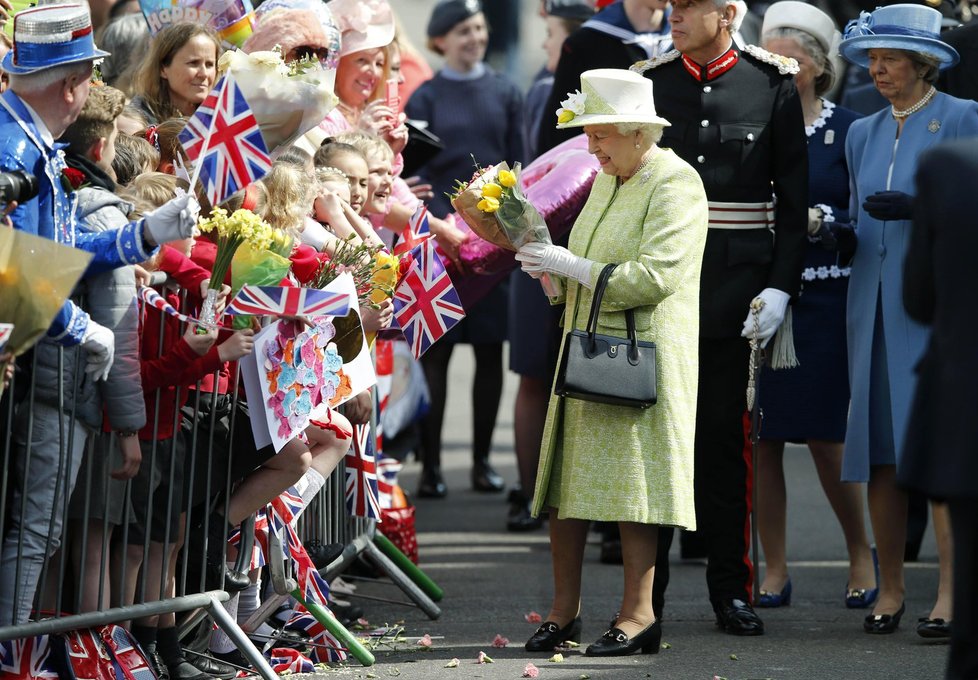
x,y
165,139
350,161
466,94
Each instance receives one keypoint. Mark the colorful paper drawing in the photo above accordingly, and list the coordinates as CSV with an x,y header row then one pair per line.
x,y
231,19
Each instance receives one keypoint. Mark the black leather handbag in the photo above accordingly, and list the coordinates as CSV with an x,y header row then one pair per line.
x,y
605,368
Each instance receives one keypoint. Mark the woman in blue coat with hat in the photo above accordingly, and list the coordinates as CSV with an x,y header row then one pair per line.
x,y
901,47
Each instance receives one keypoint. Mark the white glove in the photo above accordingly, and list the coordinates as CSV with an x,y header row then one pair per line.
x,y
99,342
769,318
172,221
538,258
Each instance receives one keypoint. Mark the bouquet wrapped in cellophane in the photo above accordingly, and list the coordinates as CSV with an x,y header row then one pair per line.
x,y
496,209
32,295
229,233
287,98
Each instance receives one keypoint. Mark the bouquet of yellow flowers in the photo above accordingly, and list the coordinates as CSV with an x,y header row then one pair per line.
x,y
494,206
229,233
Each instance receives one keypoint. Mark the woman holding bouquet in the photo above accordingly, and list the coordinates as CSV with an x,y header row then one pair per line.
x,y
647,212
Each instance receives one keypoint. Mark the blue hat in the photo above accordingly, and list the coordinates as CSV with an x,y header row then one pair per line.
x,y
913,28
48,36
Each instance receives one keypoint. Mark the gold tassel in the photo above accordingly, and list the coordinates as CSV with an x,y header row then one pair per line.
x,y
783,352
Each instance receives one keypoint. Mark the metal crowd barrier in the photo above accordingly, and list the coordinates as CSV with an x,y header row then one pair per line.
x,y
68,558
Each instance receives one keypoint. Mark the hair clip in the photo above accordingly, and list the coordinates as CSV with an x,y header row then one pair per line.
x,y
153,137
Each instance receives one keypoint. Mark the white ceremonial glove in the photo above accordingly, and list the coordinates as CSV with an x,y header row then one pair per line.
x,y
539,258
99,342
770,316
172,221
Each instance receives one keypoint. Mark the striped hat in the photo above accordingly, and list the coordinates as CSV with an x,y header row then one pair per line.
x,y
48,36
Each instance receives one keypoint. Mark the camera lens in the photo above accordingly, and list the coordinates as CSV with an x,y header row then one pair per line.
x,y
17,186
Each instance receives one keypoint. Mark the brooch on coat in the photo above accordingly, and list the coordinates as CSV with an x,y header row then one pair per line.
x,y
934,125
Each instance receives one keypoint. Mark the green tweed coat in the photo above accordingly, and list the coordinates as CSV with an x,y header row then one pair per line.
x,y
616,463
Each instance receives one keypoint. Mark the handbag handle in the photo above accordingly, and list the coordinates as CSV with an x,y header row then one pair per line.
x,y
592,320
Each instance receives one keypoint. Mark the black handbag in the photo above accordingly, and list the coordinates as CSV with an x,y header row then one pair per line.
x,y
605,368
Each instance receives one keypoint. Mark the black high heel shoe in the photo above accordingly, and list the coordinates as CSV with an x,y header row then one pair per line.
x,y
550,635
615,643
884,624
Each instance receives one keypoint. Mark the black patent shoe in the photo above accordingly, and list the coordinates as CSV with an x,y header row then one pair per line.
x,y
432,484
156,662
519,518
737,617
181,669
322,554
933,629
550,635
485,478
884,624
220,577
615,643
212,667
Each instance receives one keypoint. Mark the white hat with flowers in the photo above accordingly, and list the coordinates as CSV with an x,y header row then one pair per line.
x,y
609,95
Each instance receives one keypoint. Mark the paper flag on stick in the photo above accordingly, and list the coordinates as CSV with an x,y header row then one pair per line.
x,y
5,330
150,297
289,301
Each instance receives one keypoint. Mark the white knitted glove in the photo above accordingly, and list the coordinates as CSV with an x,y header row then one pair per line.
x,y
99,342
172,221
539,258
770,316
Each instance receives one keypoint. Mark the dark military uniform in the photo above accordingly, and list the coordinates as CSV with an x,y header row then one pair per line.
x,y
738,121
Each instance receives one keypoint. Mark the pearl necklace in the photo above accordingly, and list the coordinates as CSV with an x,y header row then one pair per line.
x,y
641,166
916,107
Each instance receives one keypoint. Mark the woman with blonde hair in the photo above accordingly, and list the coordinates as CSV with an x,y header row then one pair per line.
x,y
178,72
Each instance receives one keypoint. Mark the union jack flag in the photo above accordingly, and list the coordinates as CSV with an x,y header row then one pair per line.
x,y
426,304
312,586
325,647
285,660
260,549
288,301
27,658
223,136
288,505
151,298
361,476
130,659
417,231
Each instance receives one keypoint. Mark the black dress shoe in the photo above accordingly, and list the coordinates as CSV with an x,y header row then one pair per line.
x,y
519,518
615,643
213,667
737,617
933,629
181,669
219,576
485,479
884,624
550,635
432,484
323,555
156,662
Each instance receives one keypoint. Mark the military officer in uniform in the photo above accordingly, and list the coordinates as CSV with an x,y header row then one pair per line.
x,y
736,118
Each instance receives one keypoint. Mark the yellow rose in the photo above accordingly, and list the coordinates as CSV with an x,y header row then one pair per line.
x,y
488,205
492,190
507,178
565,116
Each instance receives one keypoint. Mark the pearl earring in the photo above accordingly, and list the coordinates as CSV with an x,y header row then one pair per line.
x,y
638,146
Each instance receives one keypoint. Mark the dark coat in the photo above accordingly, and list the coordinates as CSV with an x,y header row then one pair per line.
x,y
744,133
940,457
962,80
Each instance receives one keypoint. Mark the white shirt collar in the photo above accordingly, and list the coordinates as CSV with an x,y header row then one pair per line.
x,y
42,129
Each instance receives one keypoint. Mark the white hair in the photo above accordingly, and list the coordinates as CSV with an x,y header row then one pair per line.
x,y
649,131
740,11
35,82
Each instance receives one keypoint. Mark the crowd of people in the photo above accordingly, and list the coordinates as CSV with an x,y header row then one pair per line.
x,y
747,215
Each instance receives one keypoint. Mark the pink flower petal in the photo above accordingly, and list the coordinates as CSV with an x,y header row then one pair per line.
x,y
533,617
425,641
530,671
484,658
499,641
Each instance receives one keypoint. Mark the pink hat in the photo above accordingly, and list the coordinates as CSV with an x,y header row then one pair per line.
x,y
366,24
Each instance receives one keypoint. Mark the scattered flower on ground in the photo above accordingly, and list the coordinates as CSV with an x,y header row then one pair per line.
x,y
556,658
499,641
452,664
425,641
484,658
531,671
532,617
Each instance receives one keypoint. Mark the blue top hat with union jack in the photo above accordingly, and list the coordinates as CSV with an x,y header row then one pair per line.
x,y
49,36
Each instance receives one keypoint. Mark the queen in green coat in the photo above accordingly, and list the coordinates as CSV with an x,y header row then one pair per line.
x,y
647,213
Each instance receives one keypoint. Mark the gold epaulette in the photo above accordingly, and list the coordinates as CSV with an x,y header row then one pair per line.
x,y
786,65
641,67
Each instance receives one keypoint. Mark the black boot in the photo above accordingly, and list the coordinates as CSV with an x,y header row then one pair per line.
x,y
216,574
432,483
484,478
519,518
169,648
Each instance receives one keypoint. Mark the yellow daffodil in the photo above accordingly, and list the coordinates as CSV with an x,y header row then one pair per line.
x,y
384,276
507,178
488,205
565,116
492,190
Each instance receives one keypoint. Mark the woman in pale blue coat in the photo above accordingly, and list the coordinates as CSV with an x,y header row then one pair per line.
x,y
900,45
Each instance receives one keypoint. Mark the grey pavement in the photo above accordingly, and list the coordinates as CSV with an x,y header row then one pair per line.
x,y
492,578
